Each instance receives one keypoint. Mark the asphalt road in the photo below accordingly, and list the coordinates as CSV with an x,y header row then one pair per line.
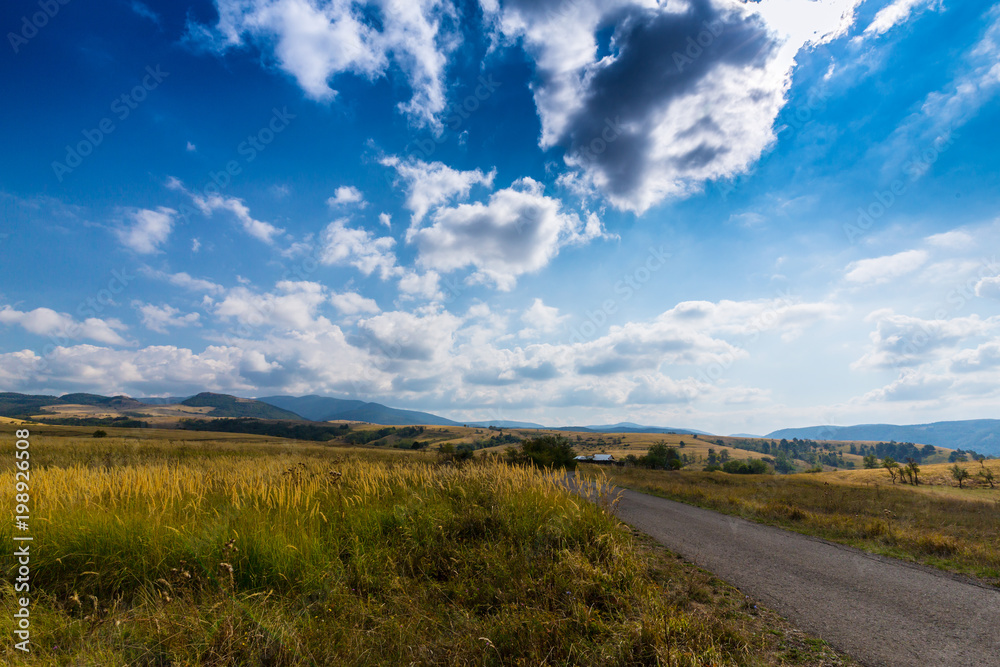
x,y
878,610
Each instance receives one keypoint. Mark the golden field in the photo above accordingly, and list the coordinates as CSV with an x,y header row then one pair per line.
x,y
160,547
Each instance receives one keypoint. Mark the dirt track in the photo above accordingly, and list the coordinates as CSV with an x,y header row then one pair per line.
x,y
878,610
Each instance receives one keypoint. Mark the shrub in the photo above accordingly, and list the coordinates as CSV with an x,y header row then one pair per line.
x,y
748,467
100,433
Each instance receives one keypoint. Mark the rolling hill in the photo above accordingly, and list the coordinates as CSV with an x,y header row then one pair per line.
x,y
17,405
325,408
225,405
980,435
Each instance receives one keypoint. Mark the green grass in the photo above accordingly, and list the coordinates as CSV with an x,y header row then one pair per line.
x,y
959,533
257,552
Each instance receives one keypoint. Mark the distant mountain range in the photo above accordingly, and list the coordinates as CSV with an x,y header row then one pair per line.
x,y
324,408
981,435
629,427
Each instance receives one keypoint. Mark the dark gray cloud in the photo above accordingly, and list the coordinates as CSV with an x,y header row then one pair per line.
x,y
660,56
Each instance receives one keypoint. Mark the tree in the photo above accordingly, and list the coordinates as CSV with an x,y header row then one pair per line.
x,y
912,469
548,451
100,433
892,467
987,476
960,474
661,457
870,461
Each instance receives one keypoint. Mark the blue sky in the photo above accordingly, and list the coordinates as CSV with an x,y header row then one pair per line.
x,y
711,214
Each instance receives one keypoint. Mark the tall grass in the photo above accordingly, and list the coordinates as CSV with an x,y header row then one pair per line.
x,y
263,554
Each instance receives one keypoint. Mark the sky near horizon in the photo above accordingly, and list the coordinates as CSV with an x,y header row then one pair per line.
x,y
712,214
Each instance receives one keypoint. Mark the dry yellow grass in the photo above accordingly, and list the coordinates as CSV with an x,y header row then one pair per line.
x,y
935,479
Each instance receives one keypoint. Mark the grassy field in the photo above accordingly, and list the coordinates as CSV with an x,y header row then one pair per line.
x,y
935,523
179,548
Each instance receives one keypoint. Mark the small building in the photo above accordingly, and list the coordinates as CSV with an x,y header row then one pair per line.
x,y
597,458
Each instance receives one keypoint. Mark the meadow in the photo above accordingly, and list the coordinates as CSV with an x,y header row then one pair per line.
x,y
934,523
180,548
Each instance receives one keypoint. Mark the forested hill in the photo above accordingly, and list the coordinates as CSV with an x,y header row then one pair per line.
x,y
981,435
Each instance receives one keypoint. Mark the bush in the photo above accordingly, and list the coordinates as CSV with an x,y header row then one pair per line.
x,y
100,433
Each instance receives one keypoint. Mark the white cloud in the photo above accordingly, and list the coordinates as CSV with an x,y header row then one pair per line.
x,y
316,40
352,303
424,285
47,322
879,270
293,307
358,248
983,357
262,231
912,386
541,319
208,204
185,281
955,239
898,12
149,229
191,147
145,12
400,336
904,341
160,318
989,287
430,184
345,195
685,93
385,219
519,230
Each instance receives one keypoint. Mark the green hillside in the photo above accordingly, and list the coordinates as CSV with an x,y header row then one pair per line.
x,y
231,406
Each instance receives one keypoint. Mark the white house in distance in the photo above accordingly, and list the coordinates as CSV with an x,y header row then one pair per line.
x,y
596,458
